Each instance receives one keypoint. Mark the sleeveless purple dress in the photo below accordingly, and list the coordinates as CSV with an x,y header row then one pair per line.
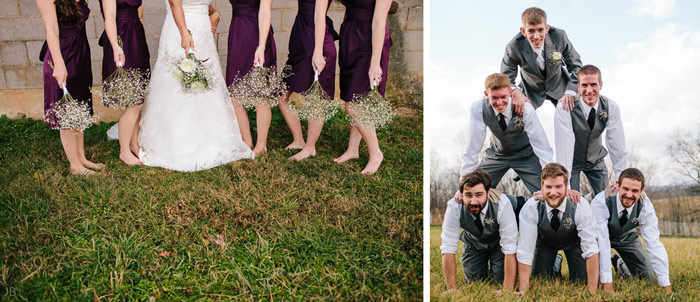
x,y
355,50
243,40
76,55
133,36
301,49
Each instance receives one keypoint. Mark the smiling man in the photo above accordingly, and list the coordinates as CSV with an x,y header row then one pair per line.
x,y
518,142
578,134
618,217
548,62
487,225
546,227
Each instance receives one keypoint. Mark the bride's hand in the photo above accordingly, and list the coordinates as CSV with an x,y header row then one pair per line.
x,y
259,58
187,42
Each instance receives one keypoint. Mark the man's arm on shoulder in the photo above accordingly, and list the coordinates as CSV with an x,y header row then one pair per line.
x,y
510,61
564,138
615,138
573,61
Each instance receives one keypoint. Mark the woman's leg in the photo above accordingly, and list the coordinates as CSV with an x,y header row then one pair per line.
x,y
69,140
81,152
353,141
126,132
263,118
292,121
243,123
313,134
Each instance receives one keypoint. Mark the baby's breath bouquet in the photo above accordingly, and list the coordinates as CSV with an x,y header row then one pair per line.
x,y
371,109
68,113
261,86
125,87
315,105
193,76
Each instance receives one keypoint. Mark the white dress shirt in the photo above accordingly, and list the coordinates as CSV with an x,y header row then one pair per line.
x,y
649,225
585,225
507,226
565,140
477,135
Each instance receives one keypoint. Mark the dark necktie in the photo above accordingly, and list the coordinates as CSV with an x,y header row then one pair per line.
x,y
478,223
502,121
623,218
591,118
554,222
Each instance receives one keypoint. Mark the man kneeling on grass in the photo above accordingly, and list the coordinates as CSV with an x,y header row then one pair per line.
x,y
618,216
557,224
488,229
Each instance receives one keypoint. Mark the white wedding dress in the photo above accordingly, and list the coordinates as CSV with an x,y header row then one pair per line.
x,y
188,132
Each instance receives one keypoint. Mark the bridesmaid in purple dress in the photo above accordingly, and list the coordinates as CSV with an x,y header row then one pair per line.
x,y
363,60
301,49
122,19
250,43
67,48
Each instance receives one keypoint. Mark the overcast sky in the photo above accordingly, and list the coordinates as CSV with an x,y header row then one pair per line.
x,y
648,51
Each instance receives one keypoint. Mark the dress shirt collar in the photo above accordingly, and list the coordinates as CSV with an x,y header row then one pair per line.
x,y
587,109
621,207
561,207
507,113
483,211
538,51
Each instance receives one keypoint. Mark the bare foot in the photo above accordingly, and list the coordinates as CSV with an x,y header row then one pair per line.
x,y
129,159
373,165
303,154
346,157
259,150
295,145
81,171
91,165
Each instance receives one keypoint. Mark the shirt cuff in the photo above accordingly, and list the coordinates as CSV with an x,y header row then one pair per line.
x,y
664,280
606,277
570,92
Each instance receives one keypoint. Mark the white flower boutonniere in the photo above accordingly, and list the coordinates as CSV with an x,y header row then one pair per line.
x,y
556,58
488,221
519,121
568,223
603,115
635,221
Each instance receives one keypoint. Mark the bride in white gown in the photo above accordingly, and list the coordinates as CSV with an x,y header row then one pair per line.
x,y
188,132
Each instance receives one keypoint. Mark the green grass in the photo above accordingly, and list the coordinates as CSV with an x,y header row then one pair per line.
x,y
684,262
263,229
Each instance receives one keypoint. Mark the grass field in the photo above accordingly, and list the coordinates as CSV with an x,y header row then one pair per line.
x,y
263,229
684,258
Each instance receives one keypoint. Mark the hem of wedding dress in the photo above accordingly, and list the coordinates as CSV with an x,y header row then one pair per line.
x,y
196,167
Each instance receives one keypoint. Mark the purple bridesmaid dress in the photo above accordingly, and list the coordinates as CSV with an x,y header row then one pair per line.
x,y
76,55
301,49
133,36
356,49
243,40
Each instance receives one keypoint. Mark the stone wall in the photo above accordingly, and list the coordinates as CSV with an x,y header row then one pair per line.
x,y
22,34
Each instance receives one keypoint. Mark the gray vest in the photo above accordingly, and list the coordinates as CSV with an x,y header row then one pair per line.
x,y
589,143
471,236
563,238
626,233
510,143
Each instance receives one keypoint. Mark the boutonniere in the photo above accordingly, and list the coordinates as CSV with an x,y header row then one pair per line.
x,y
555,58
519,122
488,221
635,221
603,115
568,223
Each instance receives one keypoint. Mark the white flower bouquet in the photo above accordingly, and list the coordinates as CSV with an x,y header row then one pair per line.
x,y
193,76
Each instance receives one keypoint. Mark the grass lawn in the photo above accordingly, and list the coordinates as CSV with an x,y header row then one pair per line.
x,y
263,229
683,254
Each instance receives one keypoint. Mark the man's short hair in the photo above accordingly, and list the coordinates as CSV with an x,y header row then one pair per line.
x,y
534,16
632,173
496,81
590,70
478,176
555,170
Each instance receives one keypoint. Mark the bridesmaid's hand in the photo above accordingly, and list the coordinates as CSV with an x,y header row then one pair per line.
x,y
375,75
187,42
60,73
318,61
118,56
259,58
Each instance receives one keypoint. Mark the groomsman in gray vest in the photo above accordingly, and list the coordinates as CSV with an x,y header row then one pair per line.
x,y
618,217
518,142
485,222
578,134
548,63
555,224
